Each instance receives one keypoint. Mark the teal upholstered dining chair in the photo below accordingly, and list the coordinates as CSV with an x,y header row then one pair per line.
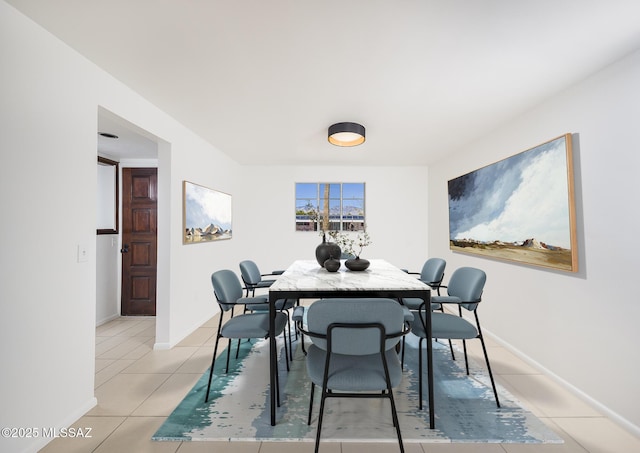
x,y
465,291
253,279
432,274
261,305
229,294
352,354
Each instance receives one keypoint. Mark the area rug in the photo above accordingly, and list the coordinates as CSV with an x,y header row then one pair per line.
x,y
238,407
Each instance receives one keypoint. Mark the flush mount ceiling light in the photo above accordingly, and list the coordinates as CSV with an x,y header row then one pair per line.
x,y
346,134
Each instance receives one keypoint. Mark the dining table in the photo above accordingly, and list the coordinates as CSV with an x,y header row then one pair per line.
x,y
306,279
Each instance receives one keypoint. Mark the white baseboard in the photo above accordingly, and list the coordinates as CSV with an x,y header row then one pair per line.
x,y
107,319
165,345
67,421
614,416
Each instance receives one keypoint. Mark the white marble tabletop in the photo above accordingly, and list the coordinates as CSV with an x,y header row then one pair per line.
x,y
307,275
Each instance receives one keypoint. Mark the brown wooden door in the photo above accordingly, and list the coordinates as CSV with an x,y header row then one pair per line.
x,y
139,241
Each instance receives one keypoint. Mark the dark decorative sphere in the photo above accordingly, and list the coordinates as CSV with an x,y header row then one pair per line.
x,y
332,265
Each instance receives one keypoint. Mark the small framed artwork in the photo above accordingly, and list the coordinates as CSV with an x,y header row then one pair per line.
x,y
519,209
206,214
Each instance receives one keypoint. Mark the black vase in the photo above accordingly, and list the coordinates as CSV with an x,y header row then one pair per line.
x,y
357,264
332,265
327,250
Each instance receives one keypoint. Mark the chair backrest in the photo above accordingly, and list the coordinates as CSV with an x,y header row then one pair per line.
x,y
433,271
250,272
226,287
355,341
467,283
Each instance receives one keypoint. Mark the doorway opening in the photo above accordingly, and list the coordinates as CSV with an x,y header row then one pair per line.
x,y
131,148
139,241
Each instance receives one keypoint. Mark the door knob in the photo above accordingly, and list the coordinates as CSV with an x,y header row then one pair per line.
x,y
125,249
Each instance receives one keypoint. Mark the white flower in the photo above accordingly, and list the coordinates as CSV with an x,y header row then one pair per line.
x,y
350,245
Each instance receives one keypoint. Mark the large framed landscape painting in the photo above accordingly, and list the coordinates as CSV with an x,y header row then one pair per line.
x,y
206,214
519,209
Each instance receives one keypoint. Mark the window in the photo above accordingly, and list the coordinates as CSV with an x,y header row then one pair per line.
x,y
330,206
107,202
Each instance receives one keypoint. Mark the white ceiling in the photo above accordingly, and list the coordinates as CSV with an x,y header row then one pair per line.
x,y
131,141
262,80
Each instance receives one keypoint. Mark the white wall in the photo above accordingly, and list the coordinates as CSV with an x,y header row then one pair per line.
x,y
50,99
107,280
191,265
264,213
582,327
47,314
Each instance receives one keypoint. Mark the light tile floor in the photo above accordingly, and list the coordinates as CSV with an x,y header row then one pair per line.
x,y
137,388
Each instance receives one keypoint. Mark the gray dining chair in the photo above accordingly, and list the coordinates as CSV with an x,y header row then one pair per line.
x,y
432,274
352,354
465,291
282,305
229,294
253,279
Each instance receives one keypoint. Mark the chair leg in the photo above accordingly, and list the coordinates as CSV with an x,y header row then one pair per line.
x,y
213,363
296,330
288,332
277,387
295,325
486,358
466,361
229,353
313,386
389,394
394,412
420,373
453,356
464,344
290,343
321,414
286,348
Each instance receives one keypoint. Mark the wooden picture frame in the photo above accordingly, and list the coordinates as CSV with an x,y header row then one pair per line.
x,y
207,214
519,209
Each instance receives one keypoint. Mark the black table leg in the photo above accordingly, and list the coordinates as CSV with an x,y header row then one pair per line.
x,y
273,362
432,412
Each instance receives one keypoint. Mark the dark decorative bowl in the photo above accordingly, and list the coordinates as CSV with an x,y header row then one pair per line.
x,y
357,264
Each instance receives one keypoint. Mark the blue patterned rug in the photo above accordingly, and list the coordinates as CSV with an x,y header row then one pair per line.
x,y
238,407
